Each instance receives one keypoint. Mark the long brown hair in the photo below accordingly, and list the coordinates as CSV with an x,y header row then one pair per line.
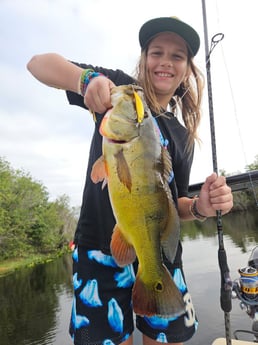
x,y
188,95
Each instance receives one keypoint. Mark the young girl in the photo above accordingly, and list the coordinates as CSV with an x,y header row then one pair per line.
x,y
102,311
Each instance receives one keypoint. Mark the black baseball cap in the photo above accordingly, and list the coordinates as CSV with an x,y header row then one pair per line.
x,y
155,26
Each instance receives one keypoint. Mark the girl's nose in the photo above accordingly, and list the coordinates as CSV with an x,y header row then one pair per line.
x,y
167,62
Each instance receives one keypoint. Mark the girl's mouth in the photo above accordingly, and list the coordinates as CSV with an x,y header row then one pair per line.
x,y
164,74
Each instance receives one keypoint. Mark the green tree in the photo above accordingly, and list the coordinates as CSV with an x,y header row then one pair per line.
x,y
244,200
29,222
253,166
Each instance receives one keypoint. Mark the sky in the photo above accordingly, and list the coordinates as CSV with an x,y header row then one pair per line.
x,y
43,135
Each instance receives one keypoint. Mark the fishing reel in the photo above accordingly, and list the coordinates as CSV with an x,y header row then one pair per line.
x,y
246,290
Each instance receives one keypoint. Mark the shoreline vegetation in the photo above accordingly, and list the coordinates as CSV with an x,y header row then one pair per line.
x,y
13,264
35,230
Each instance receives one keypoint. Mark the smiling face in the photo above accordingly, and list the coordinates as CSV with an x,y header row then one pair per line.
x,y
167,64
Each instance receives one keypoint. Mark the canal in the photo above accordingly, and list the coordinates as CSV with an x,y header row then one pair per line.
x,y
35,302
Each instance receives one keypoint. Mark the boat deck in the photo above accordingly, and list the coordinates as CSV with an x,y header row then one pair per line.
x,y
222,341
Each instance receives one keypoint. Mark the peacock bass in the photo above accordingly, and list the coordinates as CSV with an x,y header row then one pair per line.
x,y
136,168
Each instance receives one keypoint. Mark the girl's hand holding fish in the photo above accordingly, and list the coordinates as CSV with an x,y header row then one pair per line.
x,y
215,195
97,96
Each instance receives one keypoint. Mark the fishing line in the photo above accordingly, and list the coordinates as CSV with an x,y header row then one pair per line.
x,y
238,126
235,112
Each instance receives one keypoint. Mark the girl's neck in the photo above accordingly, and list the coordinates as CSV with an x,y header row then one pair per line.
x,y
163,101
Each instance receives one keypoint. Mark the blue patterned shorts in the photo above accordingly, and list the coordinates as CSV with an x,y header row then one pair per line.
x,y
102,307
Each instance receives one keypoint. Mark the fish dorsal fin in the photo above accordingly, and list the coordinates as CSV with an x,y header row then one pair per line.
x,y
171,233
165,156
123,171
167,164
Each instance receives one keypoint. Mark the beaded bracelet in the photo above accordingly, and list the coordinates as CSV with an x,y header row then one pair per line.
x,y
85,79
194,211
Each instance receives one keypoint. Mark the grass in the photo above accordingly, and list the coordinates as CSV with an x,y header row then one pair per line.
x,y
11,265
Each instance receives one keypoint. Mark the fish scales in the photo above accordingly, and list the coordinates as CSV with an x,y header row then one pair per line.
x,y
136,168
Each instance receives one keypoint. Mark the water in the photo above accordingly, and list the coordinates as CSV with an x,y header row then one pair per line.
x,y
35,302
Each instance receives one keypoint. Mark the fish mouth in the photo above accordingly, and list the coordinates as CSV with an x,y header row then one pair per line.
x,y
114,141
121,141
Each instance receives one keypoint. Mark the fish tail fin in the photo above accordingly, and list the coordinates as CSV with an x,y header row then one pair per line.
x,y
161,297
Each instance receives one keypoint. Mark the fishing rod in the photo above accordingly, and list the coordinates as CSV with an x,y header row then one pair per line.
x,y
226,284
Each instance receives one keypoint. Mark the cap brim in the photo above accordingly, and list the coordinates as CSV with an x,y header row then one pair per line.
x,y
169,24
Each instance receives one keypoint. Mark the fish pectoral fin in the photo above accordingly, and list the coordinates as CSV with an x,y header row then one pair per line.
x,y
161,297
98,171
122,251
123,170
170,236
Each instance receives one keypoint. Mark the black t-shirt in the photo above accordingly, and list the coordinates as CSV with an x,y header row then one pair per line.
x,y
96,220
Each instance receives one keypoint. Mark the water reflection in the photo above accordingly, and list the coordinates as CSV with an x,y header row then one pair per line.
x,y
35,303
242,228
200,243
30,300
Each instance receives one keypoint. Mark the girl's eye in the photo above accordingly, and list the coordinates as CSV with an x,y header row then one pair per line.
x,y
156,52
179,57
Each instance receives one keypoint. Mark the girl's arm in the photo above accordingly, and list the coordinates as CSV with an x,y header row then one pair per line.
x,y
55,71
